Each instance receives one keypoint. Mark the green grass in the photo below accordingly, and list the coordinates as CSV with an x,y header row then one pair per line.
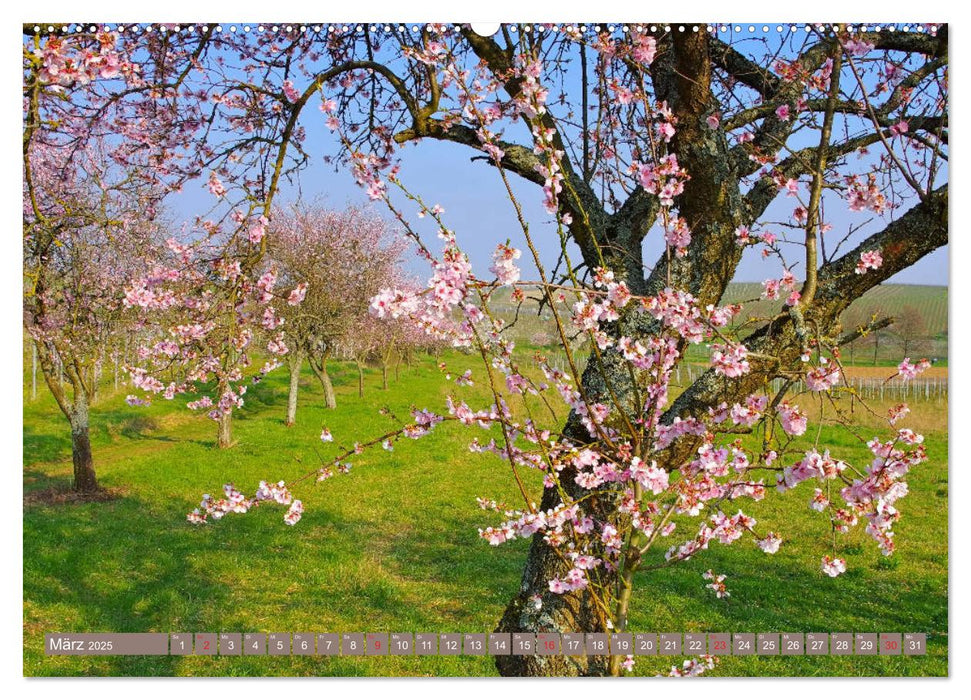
x,y
393,546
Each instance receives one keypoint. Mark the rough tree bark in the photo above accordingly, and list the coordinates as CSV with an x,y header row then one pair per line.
x,y
85,480
224,434
75,409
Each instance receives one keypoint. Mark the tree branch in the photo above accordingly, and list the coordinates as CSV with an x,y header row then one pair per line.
x,y
920,231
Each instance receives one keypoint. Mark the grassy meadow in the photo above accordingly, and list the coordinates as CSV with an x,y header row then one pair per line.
x,y
393,546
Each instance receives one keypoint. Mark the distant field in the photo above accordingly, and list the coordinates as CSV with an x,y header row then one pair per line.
x,y
930,302
885,300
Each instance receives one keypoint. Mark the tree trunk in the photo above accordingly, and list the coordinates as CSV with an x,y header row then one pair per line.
x,y
85,480
323,376
876,347
225,435
384,376
76,412
360,379
33,371
575,611
295,362
94,382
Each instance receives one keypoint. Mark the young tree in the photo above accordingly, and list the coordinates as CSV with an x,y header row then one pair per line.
x,y
124,95
83,240
342,258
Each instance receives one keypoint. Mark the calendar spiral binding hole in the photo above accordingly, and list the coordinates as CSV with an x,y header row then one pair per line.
x,y
576,29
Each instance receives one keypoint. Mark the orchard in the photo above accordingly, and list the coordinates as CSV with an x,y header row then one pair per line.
x,y
645,170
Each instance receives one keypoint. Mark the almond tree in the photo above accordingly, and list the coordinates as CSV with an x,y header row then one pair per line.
x,y
342,257
706,143
83,240
204,303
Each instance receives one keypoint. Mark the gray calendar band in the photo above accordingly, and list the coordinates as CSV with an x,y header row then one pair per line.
x,y
108,644
458,644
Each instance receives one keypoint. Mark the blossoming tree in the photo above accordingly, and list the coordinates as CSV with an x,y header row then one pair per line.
x,y
714,147
84,239
203,303
343,257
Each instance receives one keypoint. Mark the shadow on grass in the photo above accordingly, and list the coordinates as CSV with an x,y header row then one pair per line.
x,y
46,447
116,567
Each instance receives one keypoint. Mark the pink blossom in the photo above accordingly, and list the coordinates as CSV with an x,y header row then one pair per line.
x,y
823,377
865,196
770,543
290,92
717,584
833,566
216,186
294,513
770,289
677,235
819,501
897,412
869,260
258,230
297,294
908,371
793,420
899,128
666,131
743,235
504,266
644,48
729,360
857,47
649,476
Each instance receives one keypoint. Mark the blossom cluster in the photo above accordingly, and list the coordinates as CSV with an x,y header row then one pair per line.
x,y
66,64
234,501
204,313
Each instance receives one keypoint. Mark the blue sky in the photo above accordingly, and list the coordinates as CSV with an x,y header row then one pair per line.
x,y
477,209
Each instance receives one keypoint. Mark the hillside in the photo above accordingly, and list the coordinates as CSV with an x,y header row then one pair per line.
x,y
885,300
